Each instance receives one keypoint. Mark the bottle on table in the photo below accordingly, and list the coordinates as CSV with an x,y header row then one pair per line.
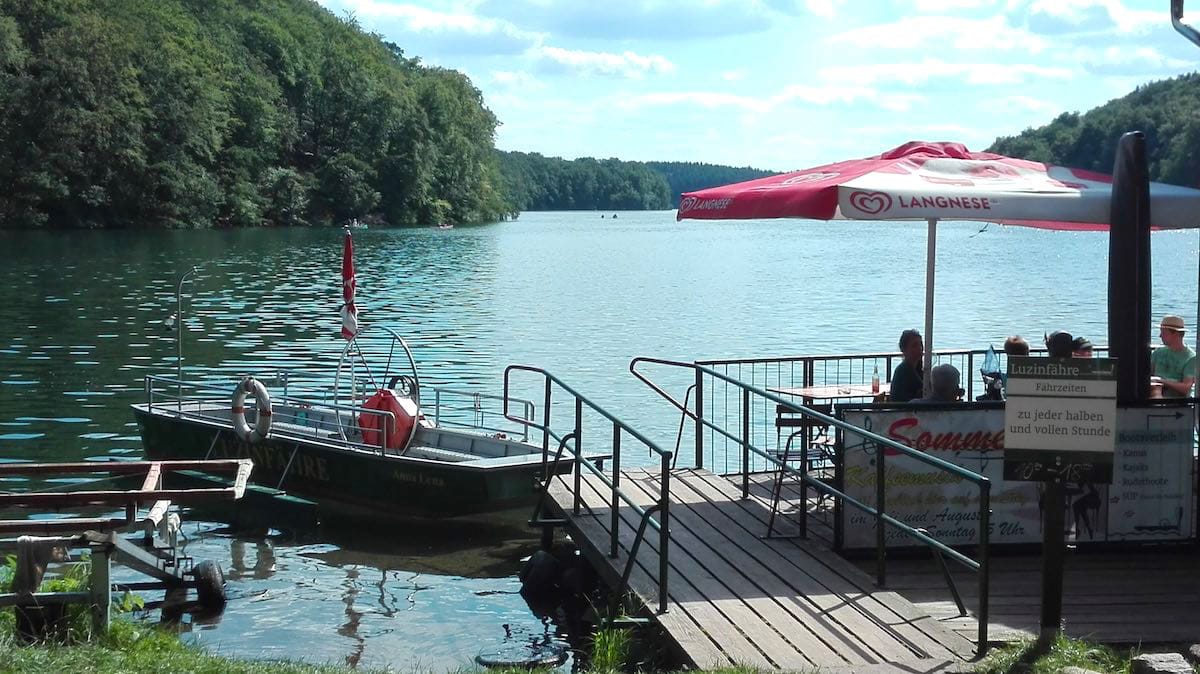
x,y
875,380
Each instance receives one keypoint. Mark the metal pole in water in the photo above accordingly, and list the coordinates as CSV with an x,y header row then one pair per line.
x,y
179,335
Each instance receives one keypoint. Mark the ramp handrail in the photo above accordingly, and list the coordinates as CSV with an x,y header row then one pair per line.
x,y
617,496
879,511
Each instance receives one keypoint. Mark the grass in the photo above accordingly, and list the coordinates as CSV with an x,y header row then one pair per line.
x,y
1027,658
136,647
610,650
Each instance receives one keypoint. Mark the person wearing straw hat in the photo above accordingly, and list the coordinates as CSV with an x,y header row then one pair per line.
x,y
1173,364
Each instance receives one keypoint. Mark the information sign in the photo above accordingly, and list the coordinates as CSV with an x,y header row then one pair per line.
x,y
1060,419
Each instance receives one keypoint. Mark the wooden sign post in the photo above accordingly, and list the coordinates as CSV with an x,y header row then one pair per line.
x,y
1059,426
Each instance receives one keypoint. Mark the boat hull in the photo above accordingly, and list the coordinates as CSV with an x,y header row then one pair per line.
x,y
349,478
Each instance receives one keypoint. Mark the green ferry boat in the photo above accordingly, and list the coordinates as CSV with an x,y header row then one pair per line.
x,y
375,447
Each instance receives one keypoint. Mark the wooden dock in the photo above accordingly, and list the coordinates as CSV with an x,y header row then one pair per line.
x,y
736,598
1137,596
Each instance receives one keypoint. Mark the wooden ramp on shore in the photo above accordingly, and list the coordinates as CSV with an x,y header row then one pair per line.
x,y
737,598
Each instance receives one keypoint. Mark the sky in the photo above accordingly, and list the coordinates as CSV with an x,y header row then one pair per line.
x,y
781,84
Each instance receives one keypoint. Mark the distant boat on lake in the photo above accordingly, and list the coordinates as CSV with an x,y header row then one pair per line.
x,y
444,225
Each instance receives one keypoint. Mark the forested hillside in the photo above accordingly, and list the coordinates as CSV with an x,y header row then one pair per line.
x,y
198,113
537,183
1167,111
690,176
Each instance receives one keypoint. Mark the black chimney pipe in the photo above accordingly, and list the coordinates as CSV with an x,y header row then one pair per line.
x,y
1129,269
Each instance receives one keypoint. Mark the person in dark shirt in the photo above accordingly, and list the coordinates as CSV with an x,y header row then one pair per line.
x,y
1060,344
908,379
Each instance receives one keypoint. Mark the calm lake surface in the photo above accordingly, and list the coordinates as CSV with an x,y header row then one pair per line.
x,y
82,322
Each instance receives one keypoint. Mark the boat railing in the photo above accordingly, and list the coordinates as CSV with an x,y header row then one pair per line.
x,y
479,411
742,406
302,418
590,420
315,415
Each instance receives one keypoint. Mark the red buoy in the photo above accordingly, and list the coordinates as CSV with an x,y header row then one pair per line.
x,y
400,430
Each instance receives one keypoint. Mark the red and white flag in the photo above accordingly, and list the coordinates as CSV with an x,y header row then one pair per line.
x,y
349,285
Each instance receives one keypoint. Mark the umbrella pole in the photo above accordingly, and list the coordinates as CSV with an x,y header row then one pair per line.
x,y
930,266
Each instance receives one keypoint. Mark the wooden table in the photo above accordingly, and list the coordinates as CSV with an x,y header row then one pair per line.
x,y
833,391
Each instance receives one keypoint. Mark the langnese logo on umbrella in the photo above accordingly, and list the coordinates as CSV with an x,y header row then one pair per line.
x,y
697,204
871,203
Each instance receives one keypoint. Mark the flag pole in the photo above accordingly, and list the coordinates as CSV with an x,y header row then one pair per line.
x,y
930,267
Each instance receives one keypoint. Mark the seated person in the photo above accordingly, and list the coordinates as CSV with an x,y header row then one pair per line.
x,y
1173,363
944,382
1081,347
1059,344
908,379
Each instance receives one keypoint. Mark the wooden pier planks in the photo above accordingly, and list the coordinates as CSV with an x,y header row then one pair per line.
x,y
1117,597
736,598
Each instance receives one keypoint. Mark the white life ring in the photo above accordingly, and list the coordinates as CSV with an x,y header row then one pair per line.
x,y
262,425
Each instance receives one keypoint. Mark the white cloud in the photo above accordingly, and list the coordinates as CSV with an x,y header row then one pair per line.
x,y
918,73
522,81
1089,16
659,20
455,31
823,8
1023,103
704,99
942,32
939,6
1129,61
626,64
733,75
790,94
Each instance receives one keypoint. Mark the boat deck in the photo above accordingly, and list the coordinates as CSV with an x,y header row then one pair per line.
x,y
736,598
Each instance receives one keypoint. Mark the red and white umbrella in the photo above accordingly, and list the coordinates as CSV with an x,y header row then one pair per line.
x,y
349,285
938,181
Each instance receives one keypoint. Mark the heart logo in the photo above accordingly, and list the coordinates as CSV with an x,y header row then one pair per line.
x,y
871,203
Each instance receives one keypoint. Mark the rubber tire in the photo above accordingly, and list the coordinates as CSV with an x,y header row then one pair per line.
x,y
210,585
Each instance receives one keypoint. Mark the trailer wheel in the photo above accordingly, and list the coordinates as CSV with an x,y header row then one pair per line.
x,y
210,585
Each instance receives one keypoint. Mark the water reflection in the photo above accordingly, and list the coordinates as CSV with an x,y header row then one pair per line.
x,y
264,559
353,617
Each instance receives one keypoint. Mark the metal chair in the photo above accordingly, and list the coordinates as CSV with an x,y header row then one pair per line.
x,y
816,446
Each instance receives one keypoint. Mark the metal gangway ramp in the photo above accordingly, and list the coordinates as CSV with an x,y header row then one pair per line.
x,y
736,597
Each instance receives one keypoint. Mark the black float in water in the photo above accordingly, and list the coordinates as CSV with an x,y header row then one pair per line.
x,y
524,656
1129,269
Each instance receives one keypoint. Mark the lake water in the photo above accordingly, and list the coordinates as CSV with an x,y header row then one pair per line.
x,y
82,322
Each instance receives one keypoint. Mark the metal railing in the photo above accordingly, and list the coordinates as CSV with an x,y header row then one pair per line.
x,y
791,372
480,408
616,497
879,511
